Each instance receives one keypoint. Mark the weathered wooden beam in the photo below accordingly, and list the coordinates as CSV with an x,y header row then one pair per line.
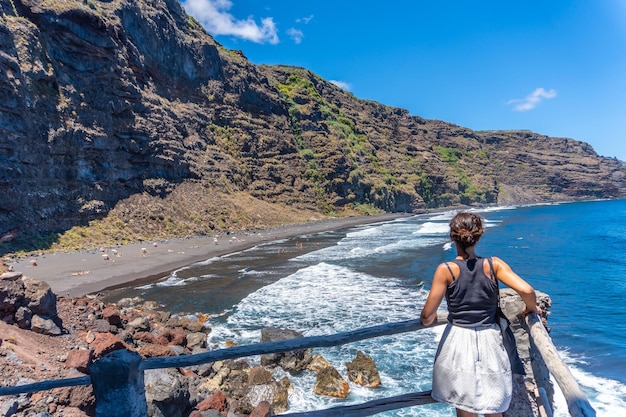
x,y
118,385
45,385
288,345
371,407
241,351
577,403
118,377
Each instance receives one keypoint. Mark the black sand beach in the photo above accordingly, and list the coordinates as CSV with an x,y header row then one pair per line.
x,y
79,273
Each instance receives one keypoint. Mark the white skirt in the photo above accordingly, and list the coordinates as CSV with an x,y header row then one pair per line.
x,y
472,371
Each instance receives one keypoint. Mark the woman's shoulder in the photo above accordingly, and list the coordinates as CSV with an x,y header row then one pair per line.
x,y
496,260
450,269
492,259
498,264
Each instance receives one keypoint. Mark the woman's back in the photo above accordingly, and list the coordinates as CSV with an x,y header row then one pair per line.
x,y
473,296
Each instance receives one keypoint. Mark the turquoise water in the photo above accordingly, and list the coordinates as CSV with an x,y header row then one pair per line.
x,y
339,281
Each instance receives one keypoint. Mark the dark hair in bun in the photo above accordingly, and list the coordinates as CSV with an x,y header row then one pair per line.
x,y
466,229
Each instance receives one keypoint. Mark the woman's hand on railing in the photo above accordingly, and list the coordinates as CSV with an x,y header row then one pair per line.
x,y
526,311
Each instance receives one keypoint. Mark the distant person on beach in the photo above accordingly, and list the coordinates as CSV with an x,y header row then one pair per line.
x,y
472,371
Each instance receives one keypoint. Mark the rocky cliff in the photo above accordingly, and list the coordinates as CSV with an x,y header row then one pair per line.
x,y
128,111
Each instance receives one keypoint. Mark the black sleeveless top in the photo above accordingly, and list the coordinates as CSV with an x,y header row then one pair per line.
x,y
472,297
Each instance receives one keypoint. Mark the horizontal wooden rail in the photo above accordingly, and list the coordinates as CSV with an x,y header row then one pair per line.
x,y
371,407
45,385
577,403
288,345
240,351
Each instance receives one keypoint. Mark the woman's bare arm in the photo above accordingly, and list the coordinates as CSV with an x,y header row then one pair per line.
x,y
441,280
509,278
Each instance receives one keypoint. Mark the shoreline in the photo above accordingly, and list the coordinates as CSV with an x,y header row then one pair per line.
x,y
75,274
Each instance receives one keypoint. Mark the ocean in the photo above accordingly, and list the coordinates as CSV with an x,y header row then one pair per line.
x,y
345,280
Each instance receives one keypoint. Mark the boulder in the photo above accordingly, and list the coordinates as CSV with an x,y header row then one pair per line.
x,y
79,397
23,317
293,361
193,326
44,325
105,343
330,383
129,302
235,384
273,392
196,340
217,401
362,370
259,375
102,326
11,293
207,413
318,362
39,297
167,393
153,351
143,337
176,336
80,359
264,409
112,316
140,324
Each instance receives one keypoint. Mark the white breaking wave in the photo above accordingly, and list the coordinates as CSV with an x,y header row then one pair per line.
x,y
326,299
606,396
386,238
432,228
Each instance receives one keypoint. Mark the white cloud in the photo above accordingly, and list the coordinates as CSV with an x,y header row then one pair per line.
x,y
304,20
295,34
341,84
532,100
214,16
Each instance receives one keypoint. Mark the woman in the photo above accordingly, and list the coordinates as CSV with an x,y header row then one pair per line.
x,y
472,370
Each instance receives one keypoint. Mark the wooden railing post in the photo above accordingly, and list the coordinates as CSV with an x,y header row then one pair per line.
x,y
577,403
118,385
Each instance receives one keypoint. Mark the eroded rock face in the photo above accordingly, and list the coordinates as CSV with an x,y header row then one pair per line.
x,y
118,104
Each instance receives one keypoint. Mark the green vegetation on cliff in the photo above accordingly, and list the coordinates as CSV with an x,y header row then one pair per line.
x,y
125,120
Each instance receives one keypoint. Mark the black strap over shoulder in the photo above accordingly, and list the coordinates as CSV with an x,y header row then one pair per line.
x,y
450,269
491,274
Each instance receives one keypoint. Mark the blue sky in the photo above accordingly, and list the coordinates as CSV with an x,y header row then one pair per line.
x,y
554,67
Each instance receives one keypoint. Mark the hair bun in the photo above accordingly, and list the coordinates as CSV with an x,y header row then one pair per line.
x,y
466,229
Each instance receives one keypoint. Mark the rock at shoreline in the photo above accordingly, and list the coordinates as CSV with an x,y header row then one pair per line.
x,y
293,361
330,383
362,370
234,387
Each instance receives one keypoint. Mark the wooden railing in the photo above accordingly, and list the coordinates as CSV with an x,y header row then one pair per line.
x,y
577,403
118,381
